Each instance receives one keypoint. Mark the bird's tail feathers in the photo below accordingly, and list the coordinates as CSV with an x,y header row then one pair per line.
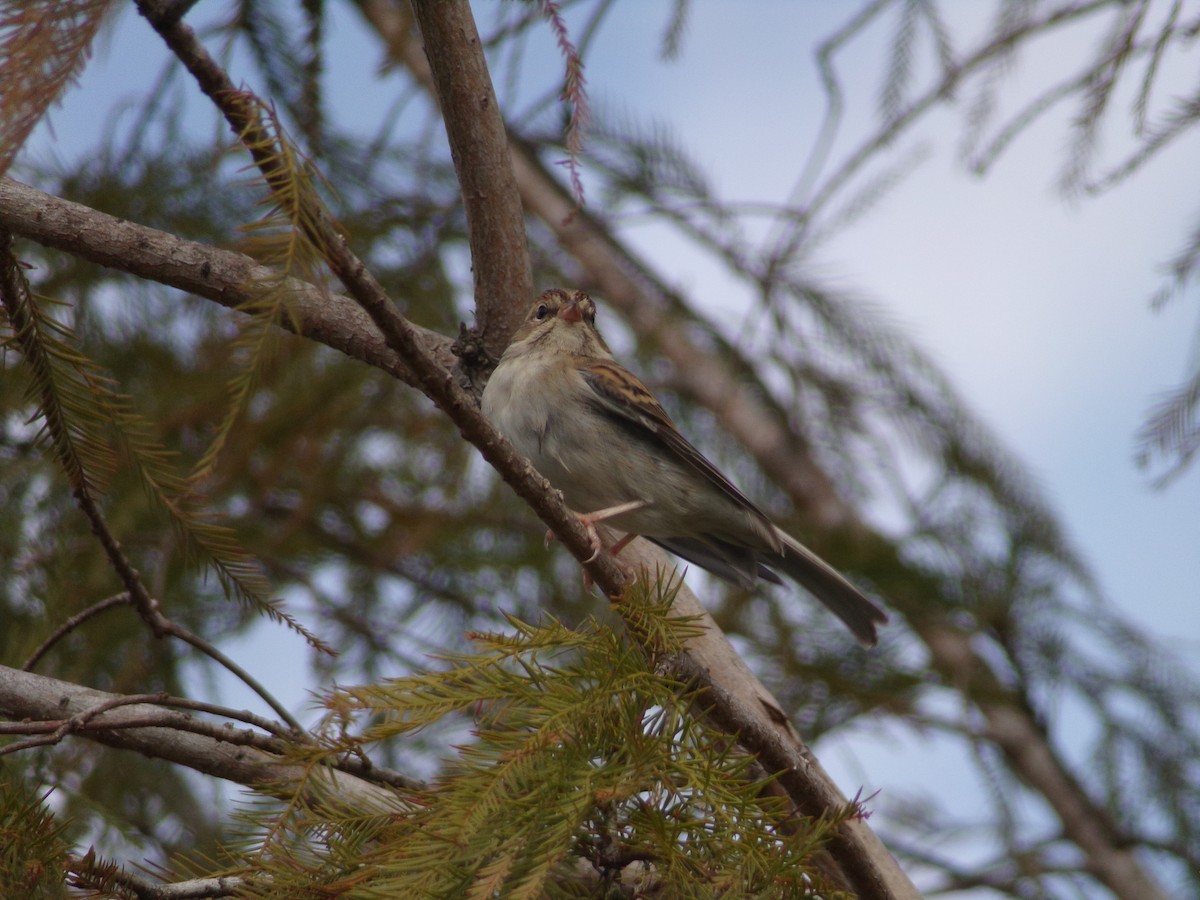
x,y
829,586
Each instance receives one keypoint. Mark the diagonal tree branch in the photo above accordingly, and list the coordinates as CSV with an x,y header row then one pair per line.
x,y
227,278
74,622
1027,747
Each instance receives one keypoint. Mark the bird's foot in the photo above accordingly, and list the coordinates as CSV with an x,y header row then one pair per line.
x,y
589,521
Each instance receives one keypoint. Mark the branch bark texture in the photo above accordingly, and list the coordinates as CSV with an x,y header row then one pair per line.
x,y
166,734
495,219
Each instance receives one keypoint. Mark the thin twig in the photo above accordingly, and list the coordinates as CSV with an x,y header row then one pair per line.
x,y
239,715
151,612
249,680
145,889
275,741
78,722
74,622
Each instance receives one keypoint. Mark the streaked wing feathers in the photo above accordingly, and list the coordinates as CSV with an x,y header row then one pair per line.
x,y
620,394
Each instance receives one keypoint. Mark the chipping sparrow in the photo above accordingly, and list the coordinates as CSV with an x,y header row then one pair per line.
x,y
598,435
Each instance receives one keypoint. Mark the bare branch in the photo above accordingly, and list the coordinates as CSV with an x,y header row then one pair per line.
x,y
72,623
146,889
495,220
224,277
165,734
54,732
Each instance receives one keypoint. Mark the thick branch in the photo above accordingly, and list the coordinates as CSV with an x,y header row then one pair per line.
x,y
227,278
26,696
147,889
479,148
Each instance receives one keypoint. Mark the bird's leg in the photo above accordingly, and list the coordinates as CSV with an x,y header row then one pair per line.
x,y
589,521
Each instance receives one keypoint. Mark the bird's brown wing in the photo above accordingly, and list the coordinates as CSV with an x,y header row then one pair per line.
x,y
620,394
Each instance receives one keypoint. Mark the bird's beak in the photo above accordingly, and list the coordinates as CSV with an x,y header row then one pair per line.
x,y
570,312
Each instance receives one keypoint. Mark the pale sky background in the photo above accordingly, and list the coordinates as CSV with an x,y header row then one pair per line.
x,y
1034,307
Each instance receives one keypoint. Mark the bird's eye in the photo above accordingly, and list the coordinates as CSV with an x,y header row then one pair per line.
x,y
542,312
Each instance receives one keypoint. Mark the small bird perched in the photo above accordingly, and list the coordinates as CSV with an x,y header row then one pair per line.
x,y
598,435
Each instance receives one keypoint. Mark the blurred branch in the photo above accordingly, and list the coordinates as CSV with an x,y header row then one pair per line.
x,y
891,129
274,740
1012,728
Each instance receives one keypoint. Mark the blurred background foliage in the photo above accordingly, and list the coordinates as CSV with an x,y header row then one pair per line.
x,y
389,537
